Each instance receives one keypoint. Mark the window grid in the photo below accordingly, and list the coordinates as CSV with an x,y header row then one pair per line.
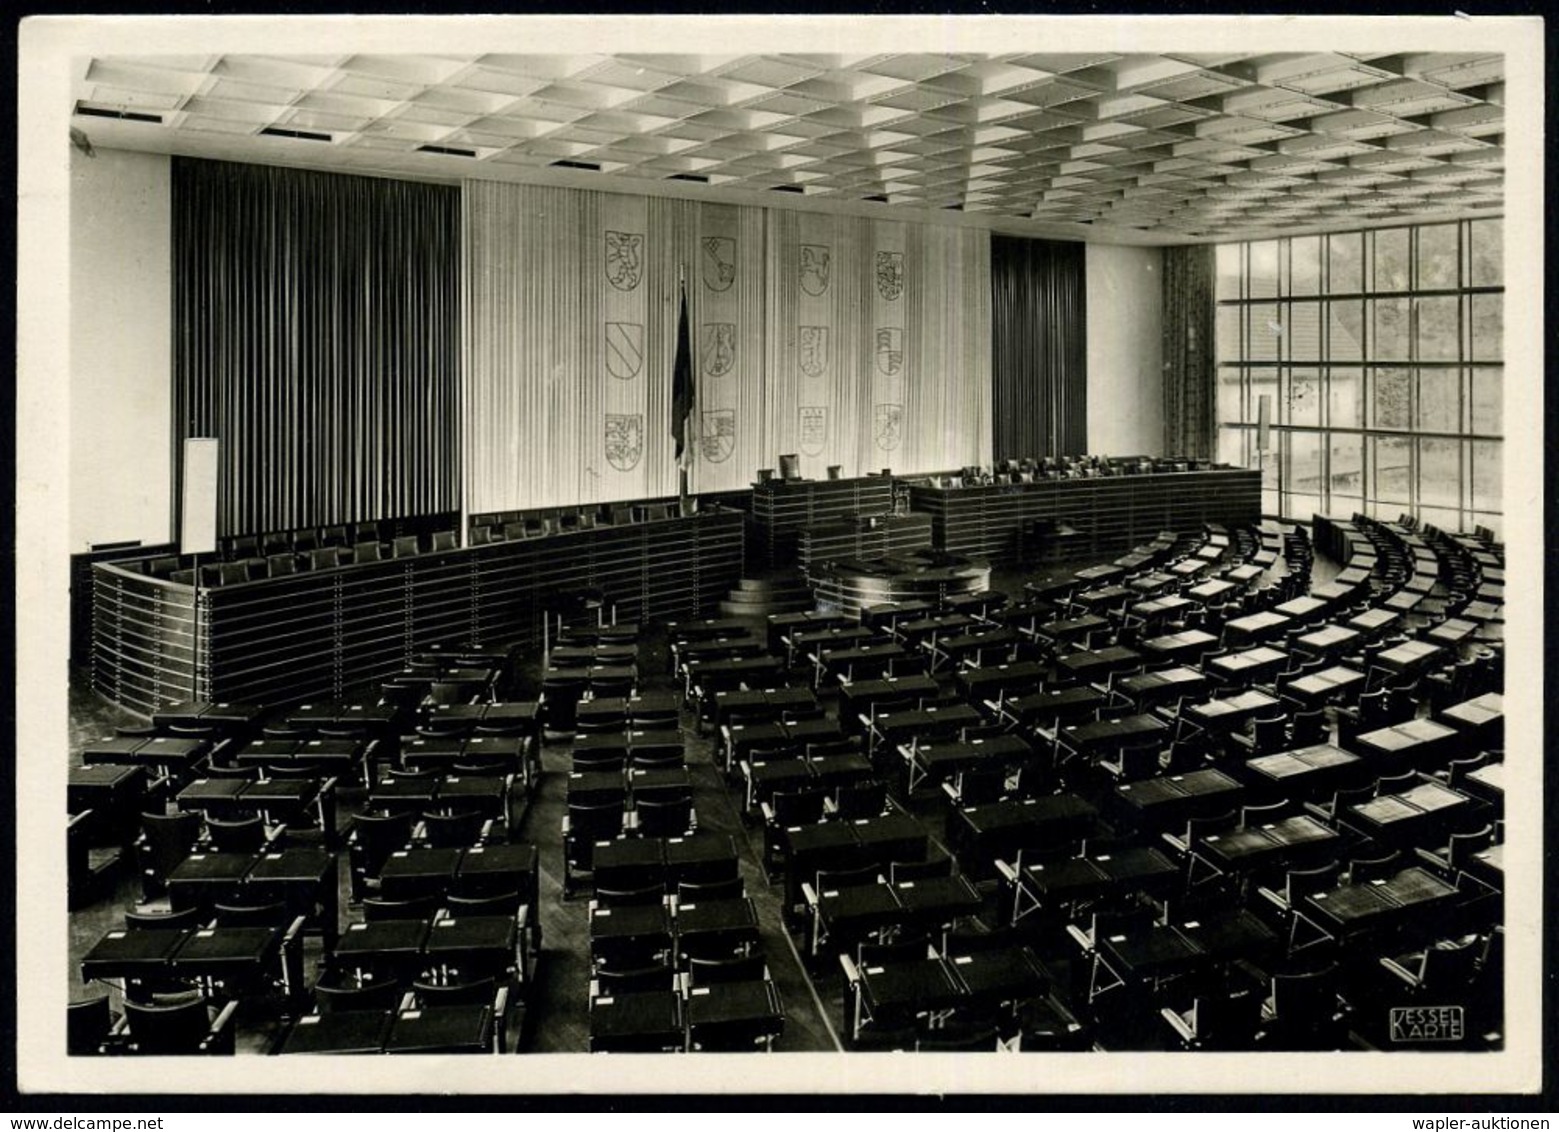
x,y
1394,339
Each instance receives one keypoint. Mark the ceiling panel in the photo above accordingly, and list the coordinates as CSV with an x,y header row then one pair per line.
x,y
1173,145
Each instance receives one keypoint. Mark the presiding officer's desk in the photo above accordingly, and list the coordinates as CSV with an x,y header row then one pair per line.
x,y
1111,513
313,633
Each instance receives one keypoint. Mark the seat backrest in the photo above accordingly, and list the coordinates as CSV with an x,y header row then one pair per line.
x,y
648,895
239,835
832,880
369,551
709,972
977,787
861,800
633,980
1259,815
1304,1000
377,909
595,821
173,1029
87,1023
404,546
473,992
797,807
277,565
326,558
1449,965
453,831
169,838
331,997
376,835
443,540
901,951
234,573
1463,845
236,915
694,892
498,904
1381,867
667,817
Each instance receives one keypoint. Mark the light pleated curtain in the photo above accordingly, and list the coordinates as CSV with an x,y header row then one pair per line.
x,y
1189,425
571,303
843,340
726,290
947,343
817,345
315,320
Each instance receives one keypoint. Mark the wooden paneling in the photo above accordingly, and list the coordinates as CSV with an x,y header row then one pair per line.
x,y
322,632
864,536
781,508
1112,513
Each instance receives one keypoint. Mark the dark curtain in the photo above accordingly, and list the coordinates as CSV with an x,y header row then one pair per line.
x,y
1039,348
1189,427
316,335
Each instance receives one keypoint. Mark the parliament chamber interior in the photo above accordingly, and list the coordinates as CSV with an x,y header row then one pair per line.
x,y
791,553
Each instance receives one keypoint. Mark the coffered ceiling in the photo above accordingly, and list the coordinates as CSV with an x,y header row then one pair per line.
x,y
1132,147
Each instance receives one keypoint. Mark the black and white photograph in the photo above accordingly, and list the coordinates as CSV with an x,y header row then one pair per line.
x,y
936,555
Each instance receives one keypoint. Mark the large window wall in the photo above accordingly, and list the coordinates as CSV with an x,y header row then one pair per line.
x,y
1381,353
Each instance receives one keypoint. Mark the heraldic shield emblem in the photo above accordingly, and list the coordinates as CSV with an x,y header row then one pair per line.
x,y
814,429
624,259
890,350
719,262
814,268
624,440
888,426
624,349
814,350
890,275
719,439
718,348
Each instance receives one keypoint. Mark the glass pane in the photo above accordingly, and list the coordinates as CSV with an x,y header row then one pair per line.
x,y
1304,332
1391,260
1231,446
1304,463
1388,329
1345,330
1227,260
1263,383
1262,282
1488,328
1487,390
1229,396
1304,265
1439,336
1487,258
1439,400
1446,518
1486,481
1266,332
1439,472
1437,256
1345,398
1390,402
1390,463
1347,469
1229,333
1302,403
1345,263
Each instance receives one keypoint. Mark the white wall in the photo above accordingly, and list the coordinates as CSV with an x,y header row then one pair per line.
x,y
121,359
1125,351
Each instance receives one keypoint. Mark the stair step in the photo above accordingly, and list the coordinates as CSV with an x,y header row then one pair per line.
x,y
746,609
771,585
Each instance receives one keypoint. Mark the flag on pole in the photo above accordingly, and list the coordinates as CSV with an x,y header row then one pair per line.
x,y
681,379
